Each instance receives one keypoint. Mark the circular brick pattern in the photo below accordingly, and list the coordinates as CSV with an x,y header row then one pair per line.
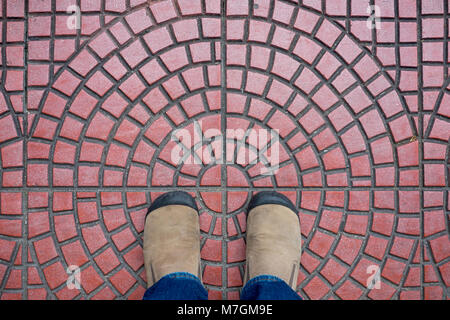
x,y
100,150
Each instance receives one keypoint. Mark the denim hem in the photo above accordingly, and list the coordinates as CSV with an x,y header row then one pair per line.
x,y
187,286
268,287
177,286
263,278
181,275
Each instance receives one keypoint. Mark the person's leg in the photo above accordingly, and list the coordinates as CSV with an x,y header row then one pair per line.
x,y
172,249
273,248
177,286
267,287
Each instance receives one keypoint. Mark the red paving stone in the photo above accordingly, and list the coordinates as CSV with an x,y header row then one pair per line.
x,y
363,117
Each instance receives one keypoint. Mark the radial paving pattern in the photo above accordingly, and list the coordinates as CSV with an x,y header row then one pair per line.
x,y
89,117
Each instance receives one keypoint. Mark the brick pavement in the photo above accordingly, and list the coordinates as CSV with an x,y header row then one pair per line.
x,y
363,114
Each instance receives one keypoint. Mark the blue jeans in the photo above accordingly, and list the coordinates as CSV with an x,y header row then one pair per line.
x,y
186,286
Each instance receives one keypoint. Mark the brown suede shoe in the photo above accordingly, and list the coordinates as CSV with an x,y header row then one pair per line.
x,y
172,237
273,238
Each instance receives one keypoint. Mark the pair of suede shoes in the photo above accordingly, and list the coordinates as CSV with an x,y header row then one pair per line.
x,y
172,237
